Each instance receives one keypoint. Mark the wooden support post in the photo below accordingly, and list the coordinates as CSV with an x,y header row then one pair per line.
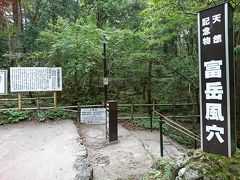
x,y
153,110
38,102
19,98
132,109
174,110
78,113
55,99
19,101
151,116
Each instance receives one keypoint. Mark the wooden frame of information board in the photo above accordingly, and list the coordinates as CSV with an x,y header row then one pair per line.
x,y
35,79
3,82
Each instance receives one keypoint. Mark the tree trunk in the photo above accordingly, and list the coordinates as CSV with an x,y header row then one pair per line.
x,y
99,16
17,19
16,5
3,19
144,90
149,87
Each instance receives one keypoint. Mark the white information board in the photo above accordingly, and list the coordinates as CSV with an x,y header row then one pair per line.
x,y
3,82
93,115
25,79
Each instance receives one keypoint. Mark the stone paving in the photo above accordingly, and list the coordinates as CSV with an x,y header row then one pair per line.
x,y
133,154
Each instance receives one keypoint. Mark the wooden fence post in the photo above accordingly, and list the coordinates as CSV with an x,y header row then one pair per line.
x,y
78,113
132,109
153,110
55,99
38,102
174,110
19,101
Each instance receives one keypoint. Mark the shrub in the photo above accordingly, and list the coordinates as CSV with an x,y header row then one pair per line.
x,y
18,116
55,114
42,116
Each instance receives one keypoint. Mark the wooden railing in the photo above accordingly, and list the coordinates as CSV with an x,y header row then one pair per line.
x,y
130,113
176,126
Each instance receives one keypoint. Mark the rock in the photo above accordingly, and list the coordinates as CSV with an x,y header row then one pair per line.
x,y
191,171
199,165
235,169
181,172
188,174
220,163
191,174
181,162
84,168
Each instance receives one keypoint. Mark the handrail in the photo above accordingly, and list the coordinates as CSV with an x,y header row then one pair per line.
x,y
26,98
179,127
176,104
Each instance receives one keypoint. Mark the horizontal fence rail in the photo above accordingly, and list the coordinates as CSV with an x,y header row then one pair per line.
x,y
178,127
76,108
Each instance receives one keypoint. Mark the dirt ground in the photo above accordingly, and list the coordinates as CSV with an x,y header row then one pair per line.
x,y
40,151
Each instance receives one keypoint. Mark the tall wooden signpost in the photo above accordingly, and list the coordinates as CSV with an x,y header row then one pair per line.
x,y
216,73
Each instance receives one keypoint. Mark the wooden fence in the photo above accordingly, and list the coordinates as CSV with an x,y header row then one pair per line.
x,y
126,111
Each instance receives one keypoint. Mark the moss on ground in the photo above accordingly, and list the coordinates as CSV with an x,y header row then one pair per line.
x,y
197,164
213,166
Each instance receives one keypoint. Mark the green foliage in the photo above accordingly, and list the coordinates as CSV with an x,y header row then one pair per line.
x,y
163,171
76,48
178,136
237,49
166,166
54,114
15,116
41,116
146,123
18,116
4,118
70,33
175,135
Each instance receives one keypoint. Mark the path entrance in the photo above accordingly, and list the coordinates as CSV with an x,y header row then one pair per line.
x,y
133,154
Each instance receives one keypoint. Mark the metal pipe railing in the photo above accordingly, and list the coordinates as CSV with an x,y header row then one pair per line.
x,y
176,126
170,122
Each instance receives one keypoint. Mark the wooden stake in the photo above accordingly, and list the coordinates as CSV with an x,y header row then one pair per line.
x,y
55,99
19,101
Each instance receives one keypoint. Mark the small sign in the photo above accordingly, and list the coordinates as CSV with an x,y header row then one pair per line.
x,y
105,81
93,115
216,73
3,82
27,79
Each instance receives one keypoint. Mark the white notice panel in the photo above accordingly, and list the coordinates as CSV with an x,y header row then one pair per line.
x,y
25,79
3,82
93,115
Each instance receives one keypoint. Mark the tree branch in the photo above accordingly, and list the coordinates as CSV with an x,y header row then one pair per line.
x,y
179,73
189,13
236,6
